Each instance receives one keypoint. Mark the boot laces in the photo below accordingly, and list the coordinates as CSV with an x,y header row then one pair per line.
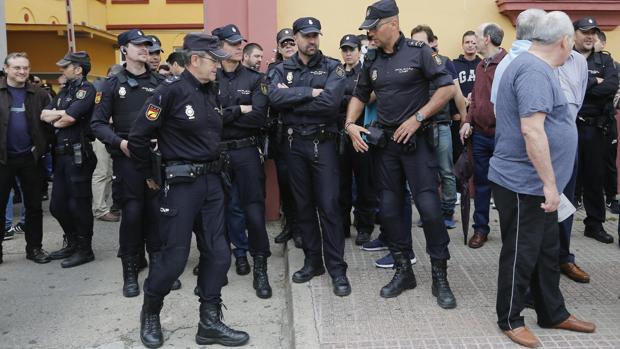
x,y
152,323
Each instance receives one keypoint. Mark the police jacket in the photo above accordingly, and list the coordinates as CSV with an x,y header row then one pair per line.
x,y
599,97
121,98
351,80
243,86
183,115
401,79
77,99
40,132
298,109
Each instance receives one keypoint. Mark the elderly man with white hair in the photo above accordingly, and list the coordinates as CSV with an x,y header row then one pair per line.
x,y
536,143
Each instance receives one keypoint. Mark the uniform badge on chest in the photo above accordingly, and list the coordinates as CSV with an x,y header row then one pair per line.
x,y
373,75
122,92
289,77
189,111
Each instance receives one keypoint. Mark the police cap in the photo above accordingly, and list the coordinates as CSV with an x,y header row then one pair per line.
x,y
155,44
377,11
80,57
586,23
206,43
229,33
350,40
134,36
285,34
307,25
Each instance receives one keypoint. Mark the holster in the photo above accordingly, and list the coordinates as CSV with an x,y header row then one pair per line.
x,y
377,137
432,134
156,166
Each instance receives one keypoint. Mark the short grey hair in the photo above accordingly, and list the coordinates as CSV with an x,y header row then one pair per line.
x,y
552,27
527,22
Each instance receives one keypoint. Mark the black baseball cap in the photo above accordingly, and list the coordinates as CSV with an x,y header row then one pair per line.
x,y
307,25
284,34
377,11
204,42
134,36
585,24
229,33
80,57
155,44
350,40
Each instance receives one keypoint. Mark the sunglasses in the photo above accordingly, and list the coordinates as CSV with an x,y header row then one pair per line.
x,y
287,43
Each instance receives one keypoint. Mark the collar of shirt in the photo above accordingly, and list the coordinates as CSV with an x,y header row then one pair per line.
x,y
192,80
233,73
354,70
314,60
397,45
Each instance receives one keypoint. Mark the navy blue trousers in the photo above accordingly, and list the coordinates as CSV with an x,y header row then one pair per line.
x,y
182,206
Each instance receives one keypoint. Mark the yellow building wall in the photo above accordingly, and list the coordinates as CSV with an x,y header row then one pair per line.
x,y
448,18
86,12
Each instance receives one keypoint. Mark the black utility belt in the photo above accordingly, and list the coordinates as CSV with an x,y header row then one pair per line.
x,y
76,150
239,143
321,134
187,172
380,135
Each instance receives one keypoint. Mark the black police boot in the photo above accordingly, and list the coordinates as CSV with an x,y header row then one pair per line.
x,y
403,279
441,287
130,276
362,237
599,234
69,247
82,255
261,280
211,329
285,235
242,266
342,287
150,327
307,272
176,285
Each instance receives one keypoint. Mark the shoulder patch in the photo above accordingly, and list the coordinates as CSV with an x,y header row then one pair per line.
x,y
80,94
436,58
340,71
152,112
415,43
98,97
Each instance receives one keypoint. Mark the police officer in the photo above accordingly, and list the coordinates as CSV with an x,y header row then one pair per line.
x,y
308,89
120,98
593,121
400,71
69,113
352,163
183,115
155,52
243,99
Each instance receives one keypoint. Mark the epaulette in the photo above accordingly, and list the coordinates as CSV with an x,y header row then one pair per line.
x,y
415,43
333,59
171,80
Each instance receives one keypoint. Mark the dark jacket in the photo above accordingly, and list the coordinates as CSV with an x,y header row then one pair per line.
x,y
480,113
40,132
599,97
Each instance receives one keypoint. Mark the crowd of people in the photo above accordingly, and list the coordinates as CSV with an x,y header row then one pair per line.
x,y
177,148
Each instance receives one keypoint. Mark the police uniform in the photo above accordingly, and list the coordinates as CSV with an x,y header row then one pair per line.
x,y
401,80
241,145
312,126
75,162
593,119
355,165
183,115
121,98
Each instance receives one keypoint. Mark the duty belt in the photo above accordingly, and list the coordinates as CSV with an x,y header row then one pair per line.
x,y
239,143
200,168
320,134
63,150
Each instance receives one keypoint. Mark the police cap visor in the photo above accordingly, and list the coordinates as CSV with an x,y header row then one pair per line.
x,y
378,11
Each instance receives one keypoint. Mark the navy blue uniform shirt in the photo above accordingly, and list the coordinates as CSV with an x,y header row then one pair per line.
x,y
401,80
297,107
121,98
351,76
243,86
599,96
182,114
77,99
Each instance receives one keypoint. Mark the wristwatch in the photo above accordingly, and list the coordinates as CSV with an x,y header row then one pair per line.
x,y
419,116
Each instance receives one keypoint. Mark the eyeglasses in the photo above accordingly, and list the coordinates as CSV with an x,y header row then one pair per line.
x,y
209,58
287,43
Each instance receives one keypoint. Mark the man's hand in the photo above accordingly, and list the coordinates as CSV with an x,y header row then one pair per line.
x,y
245,109
552,199
468,99
406,130
316,92
465,132
354,131
152,184
125,148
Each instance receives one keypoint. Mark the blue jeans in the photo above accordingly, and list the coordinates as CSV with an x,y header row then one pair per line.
x,y
482,150
446,170
235,223
9,210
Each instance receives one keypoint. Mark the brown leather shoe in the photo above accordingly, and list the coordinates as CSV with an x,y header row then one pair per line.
x,y
109,217
477,240
522,335
572,324
575,273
